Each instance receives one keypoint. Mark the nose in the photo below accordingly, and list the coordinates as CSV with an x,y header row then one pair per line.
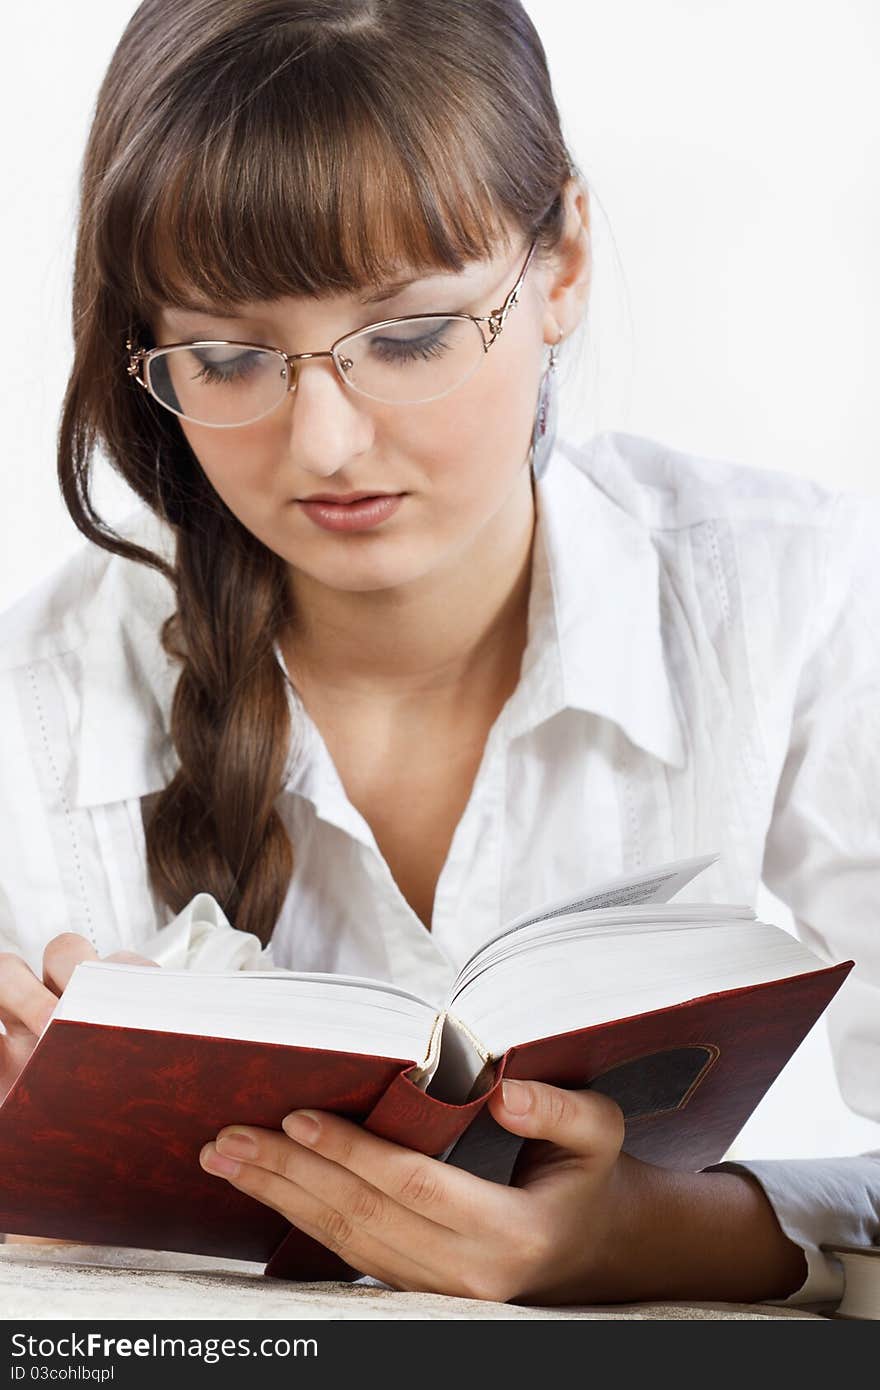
x,y
327,426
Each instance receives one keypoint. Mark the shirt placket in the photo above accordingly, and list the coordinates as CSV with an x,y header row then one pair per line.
x,y
468,893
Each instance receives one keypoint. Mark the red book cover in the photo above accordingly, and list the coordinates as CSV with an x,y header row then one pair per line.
x,y
101,1133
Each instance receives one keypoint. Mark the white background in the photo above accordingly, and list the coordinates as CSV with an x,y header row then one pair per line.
x,y
731,150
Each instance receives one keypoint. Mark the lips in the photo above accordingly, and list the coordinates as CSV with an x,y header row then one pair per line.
x,y
365,511
342,499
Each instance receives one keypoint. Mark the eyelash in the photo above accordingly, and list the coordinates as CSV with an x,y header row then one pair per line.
x,y
427,347
210,374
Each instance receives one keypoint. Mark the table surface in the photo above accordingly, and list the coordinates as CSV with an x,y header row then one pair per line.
x,y
46,1281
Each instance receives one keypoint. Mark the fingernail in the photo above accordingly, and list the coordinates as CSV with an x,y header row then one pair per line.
x,y
216,1163
234,1142
302,1126
517,1097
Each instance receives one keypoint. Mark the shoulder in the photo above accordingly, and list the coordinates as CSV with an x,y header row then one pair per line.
x,y
760,530
771,578
92,589
670,489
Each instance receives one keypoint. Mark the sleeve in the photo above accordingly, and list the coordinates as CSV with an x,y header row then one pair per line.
x,y
822,858
8,936
30,888
201,938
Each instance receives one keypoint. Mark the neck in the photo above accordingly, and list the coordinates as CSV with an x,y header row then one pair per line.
x,y
457,630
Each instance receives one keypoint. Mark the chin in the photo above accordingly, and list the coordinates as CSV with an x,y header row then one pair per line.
x,y
355,579
361,569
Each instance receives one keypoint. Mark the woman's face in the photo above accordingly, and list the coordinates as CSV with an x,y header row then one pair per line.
x,y
457,459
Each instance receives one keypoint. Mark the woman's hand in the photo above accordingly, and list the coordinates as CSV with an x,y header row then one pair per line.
x,y
419,1224
26,1003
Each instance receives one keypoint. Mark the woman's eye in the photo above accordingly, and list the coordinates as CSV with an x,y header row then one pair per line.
x,y
228,368
425,346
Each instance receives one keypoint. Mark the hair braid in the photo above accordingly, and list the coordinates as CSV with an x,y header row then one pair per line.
x,y
216,822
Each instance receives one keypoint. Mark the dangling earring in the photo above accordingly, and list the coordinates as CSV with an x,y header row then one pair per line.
x,y
544,430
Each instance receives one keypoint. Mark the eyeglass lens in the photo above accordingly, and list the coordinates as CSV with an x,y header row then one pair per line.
x,y
401,363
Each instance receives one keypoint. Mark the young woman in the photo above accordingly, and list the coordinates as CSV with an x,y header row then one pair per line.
x,y
333,252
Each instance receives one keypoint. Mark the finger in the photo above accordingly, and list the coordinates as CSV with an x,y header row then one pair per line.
x,y
358,1247
346,1215
584,1122
26,1005
368,1204
61,956
132,958
449,1196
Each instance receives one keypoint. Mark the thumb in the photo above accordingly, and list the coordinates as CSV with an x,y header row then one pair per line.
x,y
585,1122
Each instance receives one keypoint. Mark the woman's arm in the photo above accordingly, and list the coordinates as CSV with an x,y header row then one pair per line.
x,y
818,1201
695,1236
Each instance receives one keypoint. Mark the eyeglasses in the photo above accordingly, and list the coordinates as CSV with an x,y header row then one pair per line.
x,y
402,361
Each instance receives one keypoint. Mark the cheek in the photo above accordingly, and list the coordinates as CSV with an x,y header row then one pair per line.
x,y
481,432
237,467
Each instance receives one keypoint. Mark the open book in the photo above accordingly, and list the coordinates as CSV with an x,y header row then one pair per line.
x,y
683,1013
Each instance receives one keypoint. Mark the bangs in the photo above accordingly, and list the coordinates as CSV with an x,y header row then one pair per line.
x,y
314,183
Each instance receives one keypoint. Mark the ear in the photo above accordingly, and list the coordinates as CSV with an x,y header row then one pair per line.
x,y
570,268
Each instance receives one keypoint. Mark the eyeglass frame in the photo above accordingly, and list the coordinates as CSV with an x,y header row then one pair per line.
x,y
139,357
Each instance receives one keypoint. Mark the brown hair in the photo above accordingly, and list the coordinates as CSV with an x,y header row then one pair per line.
x,y
249,149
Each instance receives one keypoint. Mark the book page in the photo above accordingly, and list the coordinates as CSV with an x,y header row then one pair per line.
x,y
577,981
300,1009
601,921
655,885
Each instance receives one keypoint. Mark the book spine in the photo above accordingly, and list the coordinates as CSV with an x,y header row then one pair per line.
x,y
407,1115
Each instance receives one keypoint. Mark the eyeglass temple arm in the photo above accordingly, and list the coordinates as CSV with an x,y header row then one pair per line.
x,y
135,358
497,317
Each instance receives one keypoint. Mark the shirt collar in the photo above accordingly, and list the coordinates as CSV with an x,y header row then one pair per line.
x,y
594,638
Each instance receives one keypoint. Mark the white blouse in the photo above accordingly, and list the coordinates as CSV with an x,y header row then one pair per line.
x,y
702,673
